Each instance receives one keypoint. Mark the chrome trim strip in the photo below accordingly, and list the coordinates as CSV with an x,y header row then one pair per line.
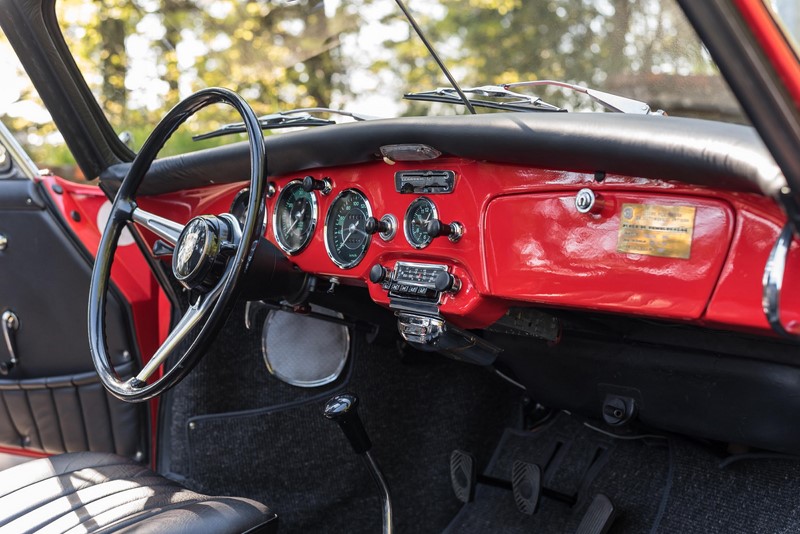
x,y
18,155
772,282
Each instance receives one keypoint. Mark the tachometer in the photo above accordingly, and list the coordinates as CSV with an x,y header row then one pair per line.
x,y
294,218
346,239
415,226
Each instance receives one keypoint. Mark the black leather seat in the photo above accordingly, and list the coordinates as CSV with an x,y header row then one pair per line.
x,y
92,492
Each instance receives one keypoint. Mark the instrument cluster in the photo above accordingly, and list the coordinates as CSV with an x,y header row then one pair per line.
x,y
349,224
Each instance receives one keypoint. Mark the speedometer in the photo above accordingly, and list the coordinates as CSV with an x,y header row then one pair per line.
x,y
294,218
346,238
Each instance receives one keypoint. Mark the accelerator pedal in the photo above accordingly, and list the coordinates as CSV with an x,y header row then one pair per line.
x,y
526,483
463,475
598,517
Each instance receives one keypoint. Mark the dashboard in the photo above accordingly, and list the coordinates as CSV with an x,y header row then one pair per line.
x,y
666,218
472,240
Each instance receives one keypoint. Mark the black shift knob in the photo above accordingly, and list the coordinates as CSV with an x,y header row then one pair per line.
x,y
344,410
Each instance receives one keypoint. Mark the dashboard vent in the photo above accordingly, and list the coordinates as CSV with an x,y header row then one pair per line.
x,y
424,181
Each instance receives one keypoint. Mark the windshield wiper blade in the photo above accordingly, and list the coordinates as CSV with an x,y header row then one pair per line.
x,y
507,100
617,103
286,119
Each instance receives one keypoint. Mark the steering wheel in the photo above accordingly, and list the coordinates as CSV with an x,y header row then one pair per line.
x,y
211,253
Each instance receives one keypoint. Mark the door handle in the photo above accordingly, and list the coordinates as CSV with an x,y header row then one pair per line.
x,y
10,325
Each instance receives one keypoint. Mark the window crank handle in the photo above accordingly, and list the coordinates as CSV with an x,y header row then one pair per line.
x,y
10,325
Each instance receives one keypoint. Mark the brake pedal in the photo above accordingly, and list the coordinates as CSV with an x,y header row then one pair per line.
x,y
598,517
463,475
526,483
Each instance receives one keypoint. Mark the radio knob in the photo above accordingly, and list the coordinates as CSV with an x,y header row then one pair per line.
x,y
311,184
377,274
445,281
437,228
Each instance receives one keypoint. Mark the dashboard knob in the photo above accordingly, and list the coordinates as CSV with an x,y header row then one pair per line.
x,y
373,226
445,281
437,228
312,184
377,274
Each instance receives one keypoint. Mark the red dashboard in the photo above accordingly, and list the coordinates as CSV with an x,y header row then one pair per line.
x,y
651,248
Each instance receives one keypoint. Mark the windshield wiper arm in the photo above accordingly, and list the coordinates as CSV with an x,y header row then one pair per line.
x,y
620,104
286,119
507,100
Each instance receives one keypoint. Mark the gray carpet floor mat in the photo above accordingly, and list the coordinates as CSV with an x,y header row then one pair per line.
x,y
658,485
236,430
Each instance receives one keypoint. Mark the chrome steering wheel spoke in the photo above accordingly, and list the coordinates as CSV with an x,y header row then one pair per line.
x,y
196,313
166,229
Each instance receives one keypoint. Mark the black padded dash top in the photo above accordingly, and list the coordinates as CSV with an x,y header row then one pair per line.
x,y
92,492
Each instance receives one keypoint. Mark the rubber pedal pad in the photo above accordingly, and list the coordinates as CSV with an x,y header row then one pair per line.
x,y
598,517
463,475
526,484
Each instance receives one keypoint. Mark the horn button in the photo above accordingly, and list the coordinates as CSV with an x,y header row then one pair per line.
x,y
197,262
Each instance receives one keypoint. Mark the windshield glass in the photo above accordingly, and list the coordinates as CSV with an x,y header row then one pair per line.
x,y
141,57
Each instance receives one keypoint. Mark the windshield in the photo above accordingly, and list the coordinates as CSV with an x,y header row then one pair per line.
x,y
141,57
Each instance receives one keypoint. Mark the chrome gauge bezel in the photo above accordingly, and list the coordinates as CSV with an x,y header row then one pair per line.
x,y
407,221
240,201
287,189
328,248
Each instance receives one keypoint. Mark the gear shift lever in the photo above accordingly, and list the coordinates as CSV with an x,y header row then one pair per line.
x,y
343,409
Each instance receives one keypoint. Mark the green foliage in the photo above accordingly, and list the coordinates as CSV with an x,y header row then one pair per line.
x,y
141,57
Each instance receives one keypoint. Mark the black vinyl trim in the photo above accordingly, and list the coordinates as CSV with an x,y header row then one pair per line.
x,y
695,151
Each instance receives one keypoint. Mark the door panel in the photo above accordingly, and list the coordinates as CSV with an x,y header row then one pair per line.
x,y
52,401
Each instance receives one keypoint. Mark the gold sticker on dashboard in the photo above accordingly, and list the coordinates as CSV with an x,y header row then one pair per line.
x,y
653,230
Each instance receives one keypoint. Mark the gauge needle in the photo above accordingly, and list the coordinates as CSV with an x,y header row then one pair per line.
x,y
353,229
297,217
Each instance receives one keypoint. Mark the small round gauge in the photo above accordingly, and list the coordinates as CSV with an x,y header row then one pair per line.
x,y
346,238
239,205
415,226
294,218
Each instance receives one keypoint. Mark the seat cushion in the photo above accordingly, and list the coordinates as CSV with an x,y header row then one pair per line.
x,y
93,492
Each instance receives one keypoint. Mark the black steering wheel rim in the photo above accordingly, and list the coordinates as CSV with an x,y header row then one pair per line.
x,y
121,215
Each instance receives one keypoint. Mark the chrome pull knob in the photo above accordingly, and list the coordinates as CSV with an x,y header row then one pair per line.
x,y
312,184
437,228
